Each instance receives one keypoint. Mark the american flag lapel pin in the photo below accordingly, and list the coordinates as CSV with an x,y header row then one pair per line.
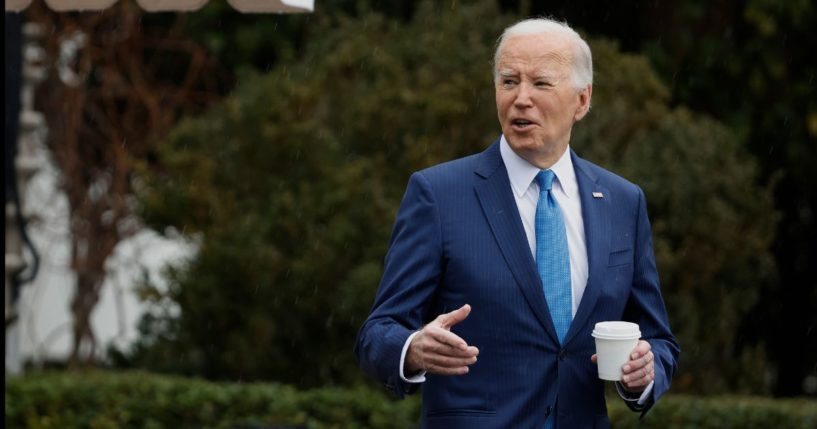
x,y
598,195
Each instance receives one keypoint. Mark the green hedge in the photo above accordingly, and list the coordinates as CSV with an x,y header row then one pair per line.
x,y
142,400
719,412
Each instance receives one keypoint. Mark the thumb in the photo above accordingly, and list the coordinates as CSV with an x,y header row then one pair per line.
x,y
448,320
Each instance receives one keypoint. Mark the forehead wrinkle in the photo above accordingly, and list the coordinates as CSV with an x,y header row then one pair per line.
x,y
544,61
558,57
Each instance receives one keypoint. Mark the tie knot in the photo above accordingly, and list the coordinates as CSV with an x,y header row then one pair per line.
x,y
545,180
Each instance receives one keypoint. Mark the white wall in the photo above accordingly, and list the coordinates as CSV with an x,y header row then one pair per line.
x,y
43,329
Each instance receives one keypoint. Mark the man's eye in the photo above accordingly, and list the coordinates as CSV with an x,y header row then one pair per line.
x,y
543,84
508,82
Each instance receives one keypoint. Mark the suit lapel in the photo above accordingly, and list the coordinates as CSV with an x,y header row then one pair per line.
x,y
493,189
596,214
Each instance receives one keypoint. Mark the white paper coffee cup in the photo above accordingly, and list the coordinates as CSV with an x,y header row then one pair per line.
x,y
614,343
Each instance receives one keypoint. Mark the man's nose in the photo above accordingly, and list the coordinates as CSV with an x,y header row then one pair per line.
x,y
523,96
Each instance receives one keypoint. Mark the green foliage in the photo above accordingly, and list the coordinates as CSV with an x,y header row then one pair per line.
x,y
145,400
718,412
294,181
752,65
291,185
712,226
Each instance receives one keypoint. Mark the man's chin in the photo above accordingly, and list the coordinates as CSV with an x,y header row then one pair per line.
x,y
522,143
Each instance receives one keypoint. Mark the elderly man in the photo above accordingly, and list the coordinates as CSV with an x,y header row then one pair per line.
x,y
501,263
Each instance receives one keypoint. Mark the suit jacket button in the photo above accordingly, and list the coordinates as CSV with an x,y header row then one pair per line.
x,y
562,354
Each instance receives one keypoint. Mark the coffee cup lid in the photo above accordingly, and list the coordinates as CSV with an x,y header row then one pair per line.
x,y
616,330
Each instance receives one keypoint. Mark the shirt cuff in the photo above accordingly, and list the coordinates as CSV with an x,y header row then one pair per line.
x,y
420,377
628,396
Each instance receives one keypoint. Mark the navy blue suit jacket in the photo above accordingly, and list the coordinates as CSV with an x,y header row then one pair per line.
x,y
458,238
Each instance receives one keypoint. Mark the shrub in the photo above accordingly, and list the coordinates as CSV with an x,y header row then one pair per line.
x,y
143,400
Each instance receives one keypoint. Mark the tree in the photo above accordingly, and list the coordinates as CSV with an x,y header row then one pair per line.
x,y
751,64
712,224
105,107
293,181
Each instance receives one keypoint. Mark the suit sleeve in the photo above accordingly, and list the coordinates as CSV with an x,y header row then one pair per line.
x,y
412,272
645,306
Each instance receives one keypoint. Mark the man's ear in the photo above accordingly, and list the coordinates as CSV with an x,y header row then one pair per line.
x,y
585,94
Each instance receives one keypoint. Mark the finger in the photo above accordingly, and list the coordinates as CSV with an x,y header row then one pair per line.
x,y
648,360
594,358
447,337
648,377
645,344
442,349
438,340
629,381
448,320
632,366
433,369
640,378
645,361
449,362
640,349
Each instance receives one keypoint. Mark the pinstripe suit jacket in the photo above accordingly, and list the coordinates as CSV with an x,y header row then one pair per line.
x,y
458,239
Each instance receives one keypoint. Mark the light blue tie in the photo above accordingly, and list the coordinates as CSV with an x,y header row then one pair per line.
x,y
552,256
553,260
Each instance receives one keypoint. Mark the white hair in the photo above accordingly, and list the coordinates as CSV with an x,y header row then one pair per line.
x,y
582,58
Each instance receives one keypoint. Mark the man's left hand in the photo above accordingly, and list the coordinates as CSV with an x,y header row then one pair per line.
x,y
639,371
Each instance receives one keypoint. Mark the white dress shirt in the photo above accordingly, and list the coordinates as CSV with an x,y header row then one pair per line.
x,y
565,189
522,175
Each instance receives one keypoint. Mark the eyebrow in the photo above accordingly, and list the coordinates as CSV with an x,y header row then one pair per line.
x,y
543,75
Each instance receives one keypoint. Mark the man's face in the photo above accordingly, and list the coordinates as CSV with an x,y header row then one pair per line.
x,y
536,100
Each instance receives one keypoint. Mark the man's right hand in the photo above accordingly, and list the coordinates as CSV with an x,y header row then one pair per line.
x,y
437,350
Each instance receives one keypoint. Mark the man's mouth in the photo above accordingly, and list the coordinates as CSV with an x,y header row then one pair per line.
x,y
521,124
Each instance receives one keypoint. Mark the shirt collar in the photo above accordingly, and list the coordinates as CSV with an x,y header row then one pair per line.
x,y
522,173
